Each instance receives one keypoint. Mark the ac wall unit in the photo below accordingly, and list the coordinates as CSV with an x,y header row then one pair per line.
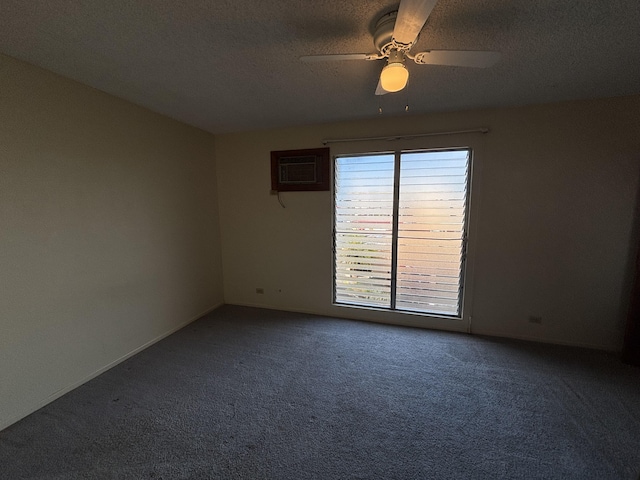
x,y
300,170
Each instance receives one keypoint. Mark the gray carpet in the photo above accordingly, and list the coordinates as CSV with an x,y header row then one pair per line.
x,y
254,394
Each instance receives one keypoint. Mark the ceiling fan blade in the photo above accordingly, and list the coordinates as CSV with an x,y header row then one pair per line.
x,y
380,90
412,15
457,58
336,57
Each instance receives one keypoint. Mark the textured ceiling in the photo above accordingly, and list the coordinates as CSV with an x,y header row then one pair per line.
x,y
232,65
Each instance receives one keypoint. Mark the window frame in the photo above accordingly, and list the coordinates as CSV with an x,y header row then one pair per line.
x,y
473,142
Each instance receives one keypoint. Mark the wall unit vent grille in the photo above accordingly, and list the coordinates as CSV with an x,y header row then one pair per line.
x,y
294,170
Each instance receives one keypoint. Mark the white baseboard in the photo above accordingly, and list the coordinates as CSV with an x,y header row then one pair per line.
x,y
365,314
38,405
280,308
552,341
408,323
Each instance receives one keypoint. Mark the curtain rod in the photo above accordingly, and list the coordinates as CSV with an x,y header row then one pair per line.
x,y
402,137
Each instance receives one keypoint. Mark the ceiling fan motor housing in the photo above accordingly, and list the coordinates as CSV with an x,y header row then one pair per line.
x,y
383,35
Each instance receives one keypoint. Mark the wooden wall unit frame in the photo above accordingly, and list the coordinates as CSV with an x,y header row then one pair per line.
x,y
300,170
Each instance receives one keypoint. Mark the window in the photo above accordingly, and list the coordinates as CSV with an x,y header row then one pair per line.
x,y
400,230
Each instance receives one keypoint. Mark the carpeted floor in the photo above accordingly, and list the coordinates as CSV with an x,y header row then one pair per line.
x,y
255,394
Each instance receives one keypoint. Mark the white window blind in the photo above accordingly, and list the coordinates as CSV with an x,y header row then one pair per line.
x,y
364,229
400,223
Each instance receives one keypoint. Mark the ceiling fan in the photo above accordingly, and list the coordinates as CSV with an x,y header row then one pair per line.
x,y
395,34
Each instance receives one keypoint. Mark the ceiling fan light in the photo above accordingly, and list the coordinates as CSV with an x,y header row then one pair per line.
x,y
394,77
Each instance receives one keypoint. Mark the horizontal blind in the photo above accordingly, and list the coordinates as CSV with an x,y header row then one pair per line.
x,y
431,230
363,229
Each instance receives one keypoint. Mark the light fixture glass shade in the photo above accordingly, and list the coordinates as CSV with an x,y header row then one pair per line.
x,y
394,77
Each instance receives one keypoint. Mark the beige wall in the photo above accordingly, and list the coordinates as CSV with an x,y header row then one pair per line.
x,y
108,232
554,191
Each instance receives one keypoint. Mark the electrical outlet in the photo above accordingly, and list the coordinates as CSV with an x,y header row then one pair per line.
x,y
534,319
260,290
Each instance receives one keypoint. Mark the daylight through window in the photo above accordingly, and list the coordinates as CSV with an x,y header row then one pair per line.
x,y
400,230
